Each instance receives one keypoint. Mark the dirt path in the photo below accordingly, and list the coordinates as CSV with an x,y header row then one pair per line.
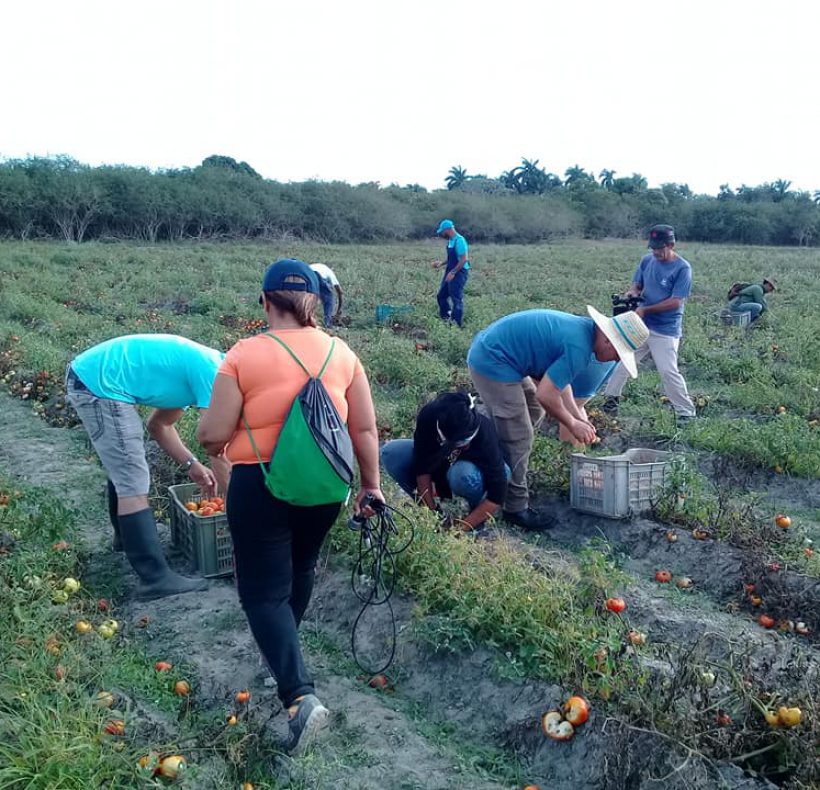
x,y
450,722
373,742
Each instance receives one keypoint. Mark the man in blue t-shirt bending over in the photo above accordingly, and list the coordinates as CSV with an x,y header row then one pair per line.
x,y
663,280
104,385
570,356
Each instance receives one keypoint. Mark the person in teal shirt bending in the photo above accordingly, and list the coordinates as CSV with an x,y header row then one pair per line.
x,y
104,385
457,270
751,299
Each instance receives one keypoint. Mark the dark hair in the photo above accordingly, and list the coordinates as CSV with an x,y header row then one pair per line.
x,y
300,304
459,418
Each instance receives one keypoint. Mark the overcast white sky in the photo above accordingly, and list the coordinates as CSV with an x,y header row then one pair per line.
x,y
701,92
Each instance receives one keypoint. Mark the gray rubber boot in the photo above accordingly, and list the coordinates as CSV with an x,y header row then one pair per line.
x,y
142,547
112,514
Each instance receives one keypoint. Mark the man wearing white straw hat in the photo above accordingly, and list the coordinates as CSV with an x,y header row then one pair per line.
x,y
571,356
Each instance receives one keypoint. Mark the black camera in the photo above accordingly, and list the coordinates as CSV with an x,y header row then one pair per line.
x,y
623,304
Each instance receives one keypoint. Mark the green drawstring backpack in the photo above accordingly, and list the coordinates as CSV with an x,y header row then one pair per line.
x,y
312,462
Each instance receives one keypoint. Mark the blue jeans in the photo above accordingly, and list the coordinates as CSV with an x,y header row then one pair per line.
x,y
451,297
326,295
750,307
464,477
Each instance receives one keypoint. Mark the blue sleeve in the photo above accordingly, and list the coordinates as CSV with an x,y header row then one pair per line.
x,y
683,283
461,246
637,278
567,366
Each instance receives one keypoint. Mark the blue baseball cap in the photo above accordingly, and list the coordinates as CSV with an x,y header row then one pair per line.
x,y
445,224
290,274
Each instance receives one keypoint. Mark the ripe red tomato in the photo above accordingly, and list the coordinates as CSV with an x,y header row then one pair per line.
x,y
766,621
664,577
615,604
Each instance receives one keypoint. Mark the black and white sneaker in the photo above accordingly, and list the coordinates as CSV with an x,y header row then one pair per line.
x,y
305,723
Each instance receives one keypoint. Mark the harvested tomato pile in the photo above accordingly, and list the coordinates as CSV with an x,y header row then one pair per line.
x,y
207,507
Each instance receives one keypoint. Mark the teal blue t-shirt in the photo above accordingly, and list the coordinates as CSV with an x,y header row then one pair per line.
x,y
163,371
541,342
459,245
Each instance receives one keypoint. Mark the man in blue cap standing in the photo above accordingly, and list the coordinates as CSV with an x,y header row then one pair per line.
x,y
457,270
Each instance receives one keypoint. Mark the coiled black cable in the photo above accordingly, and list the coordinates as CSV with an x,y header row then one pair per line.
x,y
374,573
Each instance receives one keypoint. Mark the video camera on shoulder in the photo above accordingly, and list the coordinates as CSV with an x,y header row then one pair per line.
x,y
623,304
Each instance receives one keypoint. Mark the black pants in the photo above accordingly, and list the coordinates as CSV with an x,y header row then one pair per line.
x,y
276,546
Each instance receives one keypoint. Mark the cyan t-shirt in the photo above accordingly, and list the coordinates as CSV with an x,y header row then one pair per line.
x,y
661,281
459,243
163,371
537,343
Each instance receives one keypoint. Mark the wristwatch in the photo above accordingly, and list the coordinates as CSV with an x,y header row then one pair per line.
x,y
189,463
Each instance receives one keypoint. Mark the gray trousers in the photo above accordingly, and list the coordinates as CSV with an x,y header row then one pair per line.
x,y
664,351
516,413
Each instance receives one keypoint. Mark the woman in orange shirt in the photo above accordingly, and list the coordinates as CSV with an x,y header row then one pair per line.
x,y
276,544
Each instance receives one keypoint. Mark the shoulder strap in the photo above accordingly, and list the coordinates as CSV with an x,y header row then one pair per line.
x,y
299,361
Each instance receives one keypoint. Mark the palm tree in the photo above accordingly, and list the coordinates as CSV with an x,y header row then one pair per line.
x,y
780,189
607,177
576,175
456,178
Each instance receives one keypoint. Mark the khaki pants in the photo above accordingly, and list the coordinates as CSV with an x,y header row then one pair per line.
x,y
664,351
516,413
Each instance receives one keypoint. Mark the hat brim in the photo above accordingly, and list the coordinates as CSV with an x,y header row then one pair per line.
x,y
625,353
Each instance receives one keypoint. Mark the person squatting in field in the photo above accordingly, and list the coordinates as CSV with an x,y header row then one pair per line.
x,y
571,357
663,280
104,385
329,291
276,543
750,298
457,269
454,451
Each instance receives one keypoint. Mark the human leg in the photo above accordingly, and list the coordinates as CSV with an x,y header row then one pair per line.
x,y
443,299
664,350
397,460
507,404
267,561
457,295
617,381
753,308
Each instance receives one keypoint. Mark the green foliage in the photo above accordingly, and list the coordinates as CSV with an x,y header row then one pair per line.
x,y
222,198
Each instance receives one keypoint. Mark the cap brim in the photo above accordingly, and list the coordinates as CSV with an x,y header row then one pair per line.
x,y
625,354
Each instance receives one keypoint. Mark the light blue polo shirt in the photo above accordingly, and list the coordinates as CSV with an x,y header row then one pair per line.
x,y
461,247
661,281
541,342
163,371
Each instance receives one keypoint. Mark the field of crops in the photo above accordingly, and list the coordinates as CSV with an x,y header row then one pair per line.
x,y
498,631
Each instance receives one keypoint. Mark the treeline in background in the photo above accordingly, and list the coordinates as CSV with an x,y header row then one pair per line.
x,y
59,197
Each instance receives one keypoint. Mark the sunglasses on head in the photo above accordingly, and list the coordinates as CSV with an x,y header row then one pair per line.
x,y
457,443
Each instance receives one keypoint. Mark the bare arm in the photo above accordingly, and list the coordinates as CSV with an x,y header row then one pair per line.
x,y
672,303
218,424
361,423
457,268
339,298
424,487
552,399
480,514
162,428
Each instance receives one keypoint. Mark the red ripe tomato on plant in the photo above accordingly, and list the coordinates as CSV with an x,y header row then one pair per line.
x,y
616,605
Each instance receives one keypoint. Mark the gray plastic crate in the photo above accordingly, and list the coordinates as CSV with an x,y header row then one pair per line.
x,y
740,318
204,540
618,486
